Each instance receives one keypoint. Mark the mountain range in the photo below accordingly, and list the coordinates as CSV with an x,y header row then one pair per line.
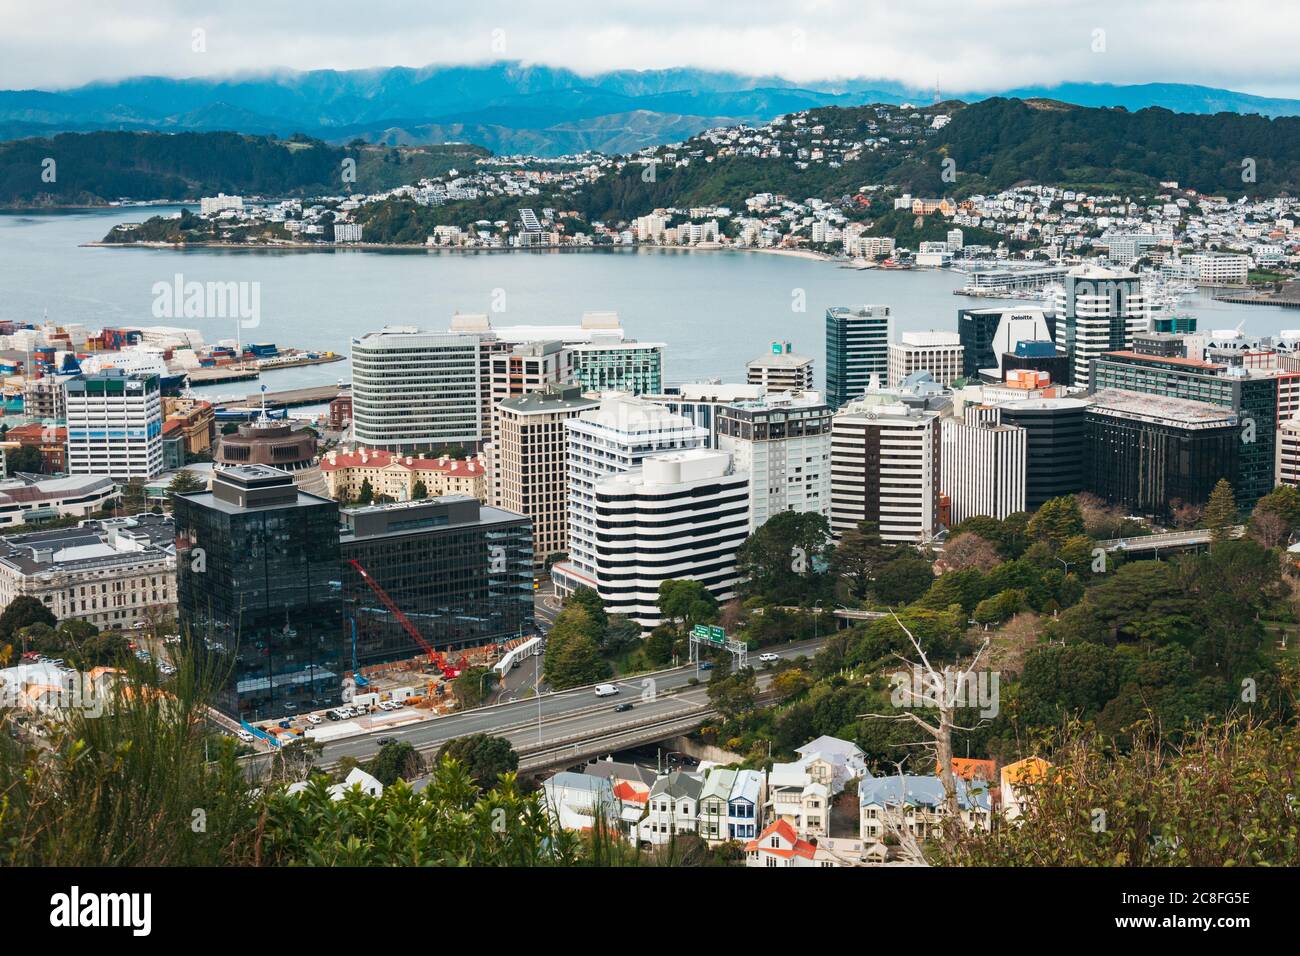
x,y
509,107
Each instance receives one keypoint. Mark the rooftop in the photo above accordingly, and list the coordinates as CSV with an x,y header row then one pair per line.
x,y
1161,409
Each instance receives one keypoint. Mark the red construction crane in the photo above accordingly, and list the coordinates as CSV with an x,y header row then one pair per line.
x,y
448,671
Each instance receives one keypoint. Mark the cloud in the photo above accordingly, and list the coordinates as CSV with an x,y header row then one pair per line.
x,y
960,46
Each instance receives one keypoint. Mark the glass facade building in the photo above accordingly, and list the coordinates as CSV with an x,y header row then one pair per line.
x,y
258,581
460,572
857,348
1146,453
1252,396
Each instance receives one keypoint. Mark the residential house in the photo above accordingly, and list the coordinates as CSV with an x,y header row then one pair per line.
x,y
780,845
1016,780
673,808
574,800
889,805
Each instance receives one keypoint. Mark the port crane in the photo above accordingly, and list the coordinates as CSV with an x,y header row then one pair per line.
x,y
449,671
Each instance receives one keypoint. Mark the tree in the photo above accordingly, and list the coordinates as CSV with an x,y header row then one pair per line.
x,y
183,482
1056,520
733,694
587,599
484,757
969,550
859,555
23,611
572,653
902,581
24,458
781,559
621,635
396,760
686,603
367,493
473,686
659,645
420,491
1221,511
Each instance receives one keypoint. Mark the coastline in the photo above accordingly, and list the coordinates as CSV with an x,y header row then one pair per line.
x,y
409,247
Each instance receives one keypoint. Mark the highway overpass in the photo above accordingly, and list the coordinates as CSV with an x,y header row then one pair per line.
x,y
560,728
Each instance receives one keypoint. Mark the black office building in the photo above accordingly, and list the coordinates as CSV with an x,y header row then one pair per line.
x,y
1054,430
975,329
257,583
460,572
1145,452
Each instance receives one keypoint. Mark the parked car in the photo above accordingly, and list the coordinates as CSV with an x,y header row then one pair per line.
x,y
313,719
245,736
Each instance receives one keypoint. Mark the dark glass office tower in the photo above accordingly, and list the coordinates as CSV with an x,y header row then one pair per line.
x,y
460,572
1145,452
975,329
1251,393
1054,435
857,347
258,580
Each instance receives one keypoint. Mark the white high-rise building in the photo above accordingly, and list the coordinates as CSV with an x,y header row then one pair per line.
x,y
1288,452
1098,310
416,391
781,370
784,443
885,470
615,437
939,353
115,425
680,515
700,402
984,465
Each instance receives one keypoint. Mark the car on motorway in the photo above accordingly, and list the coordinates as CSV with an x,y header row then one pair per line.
x,y
385,741
768,658
706,665
606,690
622,708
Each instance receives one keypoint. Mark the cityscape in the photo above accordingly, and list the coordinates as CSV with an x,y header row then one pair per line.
x,y
851,473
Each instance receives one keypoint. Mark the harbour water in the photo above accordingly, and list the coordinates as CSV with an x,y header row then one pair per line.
x,y
715,310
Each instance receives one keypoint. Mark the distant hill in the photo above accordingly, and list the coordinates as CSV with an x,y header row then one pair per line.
x,y
511,107
96,168
993,144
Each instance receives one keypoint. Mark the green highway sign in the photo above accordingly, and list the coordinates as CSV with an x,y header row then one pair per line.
x,y
700,630
717,634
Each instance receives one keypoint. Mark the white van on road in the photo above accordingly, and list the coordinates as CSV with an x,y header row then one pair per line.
x,y
606,690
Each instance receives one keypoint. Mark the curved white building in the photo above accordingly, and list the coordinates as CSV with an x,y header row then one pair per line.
x,y
681,515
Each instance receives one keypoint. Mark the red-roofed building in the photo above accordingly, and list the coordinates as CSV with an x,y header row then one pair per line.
x,y
779,845
50,440
395,476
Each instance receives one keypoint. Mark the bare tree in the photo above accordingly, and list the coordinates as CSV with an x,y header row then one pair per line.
x,y
969,550
941,692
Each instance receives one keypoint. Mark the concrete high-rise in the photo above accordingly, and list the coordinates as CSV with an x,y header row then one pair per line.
x,y
784,443
885,464
610,439
417,391
1098,310
528,471
115,425
680,515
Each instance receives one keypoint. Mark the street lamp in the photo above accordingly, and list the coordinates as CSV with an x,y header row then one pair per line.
x,y
817,620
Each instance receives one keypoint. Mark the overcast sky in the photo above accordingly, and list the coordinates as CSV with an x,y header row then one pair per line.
x,y
962,45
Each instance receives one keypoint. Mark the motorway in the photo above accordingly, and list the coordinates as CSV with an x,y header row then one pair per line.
x,y
558,720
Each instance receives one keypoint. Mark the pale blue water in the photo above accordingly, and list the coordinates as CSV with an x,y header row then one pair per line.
x,y
715,310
